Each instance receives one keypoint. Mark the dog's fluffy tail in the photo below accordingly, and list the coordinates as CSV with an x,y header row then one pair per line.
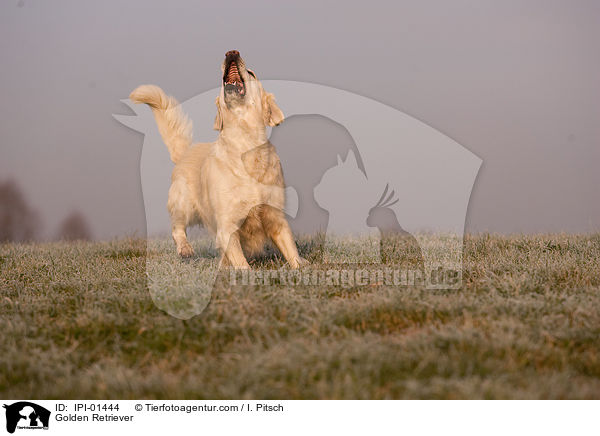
x,y
173,125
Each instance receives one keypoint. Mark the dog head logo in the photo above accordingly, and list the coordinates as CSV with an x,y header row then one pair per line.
x,y
26,415
339,152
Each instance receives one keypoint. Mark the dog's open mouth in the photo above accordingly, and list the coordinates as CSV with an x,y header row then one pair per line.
x,y
232,80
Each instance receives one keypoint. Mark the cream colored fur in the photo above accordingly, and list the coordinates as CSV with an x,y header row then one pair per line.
x,y
234,186
173,125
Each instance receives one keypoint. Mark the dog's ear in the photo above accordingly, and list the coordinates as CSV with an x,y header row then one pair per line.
x,y
271,113
218,119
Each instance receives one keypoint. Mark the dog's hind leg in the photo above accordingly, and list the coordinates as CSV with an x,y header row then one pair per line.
x,y
180,209
184,248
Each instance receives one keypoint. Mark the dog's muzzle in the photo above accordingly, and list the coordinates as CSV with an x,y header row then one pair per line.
x,y
232,80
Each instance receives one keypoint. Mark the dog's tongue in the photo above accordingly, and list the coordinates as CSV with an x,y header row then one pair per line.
x,y
233,75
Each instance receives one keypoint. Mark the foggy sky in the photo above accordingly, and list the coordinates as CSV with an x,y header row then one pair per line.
x,y
515,82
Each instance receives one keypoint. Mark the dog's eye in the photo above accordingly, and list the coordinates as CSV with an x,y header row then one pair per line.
x,y
251,73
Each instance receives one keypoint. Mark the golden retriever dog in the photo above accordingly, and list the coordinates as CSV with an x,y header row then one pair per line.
x,y
234,186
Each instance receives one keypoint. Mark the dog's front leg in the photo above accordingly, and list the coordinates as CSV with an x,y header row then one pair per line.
x,y
228,242
284,240
278,229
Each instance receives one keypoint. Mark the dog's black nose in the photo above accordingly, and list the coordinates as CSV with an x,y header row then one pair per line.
x,y
232,54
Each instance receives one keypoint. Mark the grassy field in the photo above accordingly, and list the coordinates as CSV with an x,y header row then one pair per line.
x,y
78,322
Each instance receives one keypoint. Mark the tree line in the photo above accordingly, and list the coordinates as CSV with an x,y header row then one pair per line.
x,y
19,222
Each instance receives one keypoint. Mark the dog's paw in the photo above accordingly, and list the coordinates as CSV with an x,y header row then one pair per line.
x,y
299,263
185,250
303,262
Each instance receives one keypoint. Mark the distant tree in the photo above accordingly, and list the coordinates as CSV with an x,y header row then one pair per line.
x,y
74,227
18,222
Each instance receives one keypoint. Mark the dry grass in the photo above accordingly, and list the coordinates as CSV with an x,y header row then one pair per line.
x,y
78,322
